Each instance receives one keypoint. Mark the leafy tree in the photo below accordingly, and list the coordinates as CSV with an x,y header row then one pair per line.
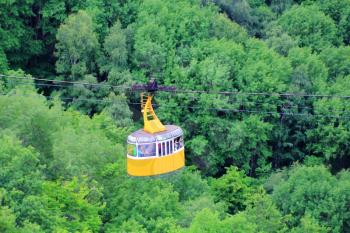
x,y
20,168
77,51
3,61
7,220
77,47
234,189
309,72
162,29
62,208
337,61
309,224
154,205
329,139
310,27
189,184
115,62
309,76
238,10
264,214
208,221
118,109
193,207
24,82
279,6
313,191
17,33
249,14
279,40
115,47
240,224
248,140
129,226
339,11
222,27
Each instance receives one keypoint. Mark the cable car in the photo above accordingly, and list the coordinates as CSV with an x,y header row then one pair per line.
x,y
156,149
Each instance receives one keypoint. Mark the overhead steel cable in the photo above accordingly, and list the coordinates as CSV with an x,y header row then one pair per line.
x,y
276,94
65,82
71,98
347,117
243,103
255,103
192,107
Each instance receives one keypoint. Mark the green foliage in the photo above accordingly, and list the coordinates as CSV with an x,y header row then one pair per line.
x,y
309,72
339,11
279,40
18,36
189,184
248,140
337,61
62,171
192,207
77,47
62,207
234,189
263,213
224,28
329,139
212,223
3,61
279,6
152,203
309,224
315,192
20,168
252,15
115,61
310,27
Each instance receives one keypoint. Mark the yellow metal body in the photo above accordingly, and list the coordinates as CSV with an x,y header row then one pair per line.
x,y
156,165
151,122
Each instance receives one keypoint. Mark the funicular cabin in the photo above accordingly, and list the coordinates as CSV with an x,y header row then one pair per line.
x,y
155,154
156,149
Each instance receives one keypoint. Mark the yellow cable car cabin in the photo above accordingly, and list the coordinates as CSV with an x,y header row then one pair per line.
x,y
156,149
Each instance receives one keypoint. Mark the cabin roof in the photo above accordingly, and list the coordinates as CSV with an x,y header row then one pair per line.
x,y
140,136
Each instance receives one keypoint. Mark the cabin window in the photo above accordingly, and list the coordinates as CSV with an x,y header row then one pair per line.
x,y
159,149
132,150
168,147
146,150
171,146
163,148
178,143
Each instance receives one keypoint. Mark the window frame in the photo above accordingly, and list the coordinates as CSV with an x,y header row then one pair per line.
x,y
137,150
167,147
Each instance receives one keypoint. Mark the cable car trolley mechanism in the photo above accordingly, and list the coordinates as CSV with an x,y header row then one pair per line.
x,y
156,149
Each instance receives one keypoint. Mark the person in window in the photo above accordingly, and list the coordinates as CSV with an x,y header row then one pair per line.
x,y
176,143
181,142
150,150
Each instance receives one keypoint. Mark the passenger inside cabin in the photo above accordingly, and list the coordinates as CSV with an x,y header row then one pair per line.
x,y
146,150
177,143
150,150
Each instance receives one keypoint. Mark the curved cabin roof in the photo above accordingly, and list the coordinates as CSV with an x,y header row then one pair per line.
x,y
140,136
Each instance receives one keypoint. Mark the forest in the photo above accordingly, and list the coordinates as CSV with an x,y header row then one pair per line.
x,y
263,89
